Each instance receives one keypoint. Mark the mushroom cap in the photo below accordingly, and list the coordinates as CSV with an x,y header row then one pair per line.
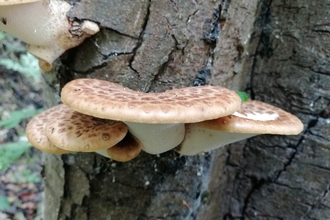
x,y
105,99
252,119
71,130
35,132
255,117
16,2
125,150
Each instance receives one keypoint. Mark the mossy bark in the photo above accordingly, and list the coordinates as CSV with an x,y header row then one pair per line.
x,y
275,50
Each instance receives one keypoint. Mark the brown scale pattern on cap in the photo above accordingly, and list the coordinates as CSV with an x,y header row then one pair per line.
x,y
126,150
109,100
35,132
284,124
71,130
254,107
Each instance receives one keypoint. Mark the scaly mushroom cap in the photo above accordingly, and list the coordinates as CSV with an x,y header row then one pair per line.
x,y
255,117
104,99
35,132
127,149
252,119
71,130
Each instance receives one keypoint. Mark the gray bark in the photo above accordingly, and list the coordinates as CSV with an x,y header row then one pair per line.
x,y
288,177
275,50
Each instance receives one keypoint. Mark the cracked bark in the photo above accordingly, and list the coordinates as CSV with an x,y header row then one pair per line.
x,y
275,50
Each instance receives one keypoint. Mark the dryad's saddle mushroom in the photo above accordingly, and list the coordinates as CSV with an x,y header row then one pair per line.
x,y
60,130
156,119
194,120
127,149
44,26
253,118
36,132
73,131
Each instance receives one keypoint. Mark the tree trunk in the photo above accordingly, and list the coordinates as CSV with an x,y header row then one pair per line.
x,y
275,50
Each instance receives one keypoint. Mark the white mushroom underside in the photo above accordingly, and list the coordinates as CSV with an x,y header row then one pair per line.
x,y
33,23
200,140
157,138
257,116
43,25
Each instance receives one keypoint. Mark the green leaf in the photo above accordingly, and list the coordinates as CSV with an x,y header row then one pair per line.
x,y
244,96
16,117
24,176
2,36
9,153
27,65
4,203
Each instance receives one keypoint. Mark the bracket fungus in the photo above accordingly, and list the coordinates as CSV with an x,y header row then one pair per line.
x,y
253,118
73,131
61,130
193,119
126,150
36,132
156,119
44,26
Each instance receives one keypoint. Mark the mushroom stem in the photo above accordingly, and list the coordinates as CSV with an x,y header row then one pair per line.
x,y
157,138
200,139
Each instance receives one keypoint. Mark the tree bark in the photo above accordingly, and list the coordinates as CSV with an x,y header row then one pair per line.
x,y
275,50
288,177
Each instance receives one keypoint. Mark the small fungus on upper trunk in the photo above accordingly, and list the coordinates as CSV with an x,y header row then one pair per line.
x,y
44,26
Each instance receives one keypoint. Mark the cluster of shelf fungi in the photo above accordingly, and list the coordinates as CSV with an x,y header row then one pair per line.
x,y
103,117
116,122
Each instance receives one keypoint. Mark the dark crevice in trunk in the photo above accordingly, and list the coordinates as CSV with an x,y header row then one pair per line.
x,y
140,41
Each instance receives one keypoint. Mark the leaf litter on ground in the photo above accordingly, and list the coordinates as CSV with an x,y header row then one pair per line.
x,y
21,186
